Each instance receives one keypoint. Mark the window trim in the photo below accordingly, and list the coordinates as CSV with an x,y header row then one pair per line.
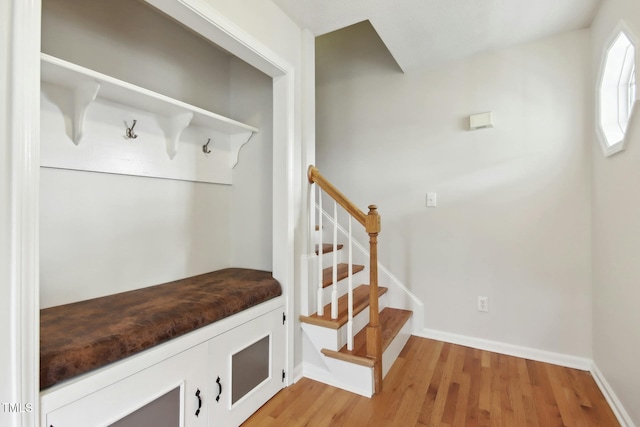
x,y
630,105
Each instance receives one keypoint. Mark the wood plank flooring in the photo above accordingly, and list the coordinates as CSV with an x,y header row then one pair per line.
x,y
438,384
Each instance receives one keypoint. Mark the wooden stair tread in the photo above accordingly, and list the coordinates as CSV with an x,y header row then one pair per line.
x,y
327,247
343,273
391,319
360,302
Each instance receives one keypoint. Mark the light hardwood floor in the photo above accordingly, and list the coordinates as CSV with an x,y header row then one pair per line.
x,y
437,384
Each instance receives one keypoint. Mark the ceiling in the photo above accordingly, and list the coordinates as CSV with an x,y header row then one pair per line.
x,y
423,33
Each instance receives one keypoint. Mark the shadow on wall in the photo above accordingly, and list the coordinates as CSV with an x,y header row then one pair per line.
x,y
357,41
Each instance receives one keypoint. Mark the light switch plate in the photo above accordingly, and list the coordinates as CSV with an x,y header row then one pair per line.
x,y
432,201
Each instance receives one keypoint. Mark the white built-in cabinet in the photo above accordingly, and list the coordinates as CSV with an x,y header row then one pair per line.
x,y
217,375
219,381
240,373
104,407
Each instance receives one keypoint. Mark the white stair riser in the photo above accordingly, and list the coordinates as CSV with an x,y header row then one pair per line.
x,y
335,339
343,257
356,378
360,278
359,322
347,376
327,258
395,347
320,336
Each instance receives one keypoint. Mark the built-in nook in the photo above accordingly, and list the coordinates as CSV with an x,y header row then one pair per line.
x,y
156,152
103,233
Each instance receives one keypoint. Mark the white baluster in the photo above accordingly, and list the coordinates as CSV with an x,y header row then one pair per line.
x,y
350,308
319,298
334,289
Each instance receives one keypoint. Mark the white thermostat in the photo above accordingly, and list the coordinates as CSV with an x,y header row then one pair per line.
x,y
481,121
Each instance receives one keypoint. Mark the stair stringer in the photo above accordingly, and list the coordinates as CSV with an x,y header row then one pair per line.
x,y
399,294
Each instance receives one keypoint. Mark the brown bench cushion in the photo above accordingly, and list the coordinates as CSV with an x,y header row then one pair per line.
x,y
78,337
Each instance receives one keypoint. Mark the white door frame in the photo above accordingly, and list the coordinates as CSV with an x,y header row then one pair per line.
x,y
23,140
25,147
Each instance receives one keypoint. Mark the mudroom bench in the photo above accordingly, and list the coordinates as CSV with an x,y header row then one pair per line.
x,y
206,350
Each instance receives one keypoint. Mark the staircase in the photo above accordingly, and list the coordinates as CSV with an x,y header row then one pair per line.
x,y
355,334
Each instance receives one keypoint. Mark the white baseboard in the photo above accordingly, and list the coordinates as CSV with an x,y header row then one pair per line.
x,y
616,406
560,359
298,373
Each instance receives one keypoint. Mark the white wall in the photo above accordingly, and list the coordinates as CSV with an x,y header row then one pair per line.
x,y
102,234
252,195
130,41
616,233
513,219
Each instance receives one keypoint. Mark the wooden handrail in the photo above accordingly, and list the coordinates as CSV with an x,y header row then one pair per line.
x,y
316,177
371,223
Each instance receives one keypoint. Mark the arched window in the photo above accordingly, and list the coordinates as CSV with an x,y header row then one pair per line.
x,y
616,92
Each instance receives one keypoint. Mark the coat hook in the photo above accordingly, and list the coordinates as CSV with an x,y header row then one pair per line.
x,y
205,147
129,132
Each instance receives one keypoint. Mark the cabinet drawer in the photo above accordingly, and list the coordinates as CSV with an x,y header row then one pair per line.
x,y
247,363
165,391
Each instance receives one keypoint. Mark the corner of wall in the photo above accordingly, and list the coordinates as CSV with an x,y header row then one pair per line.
x,y
612,399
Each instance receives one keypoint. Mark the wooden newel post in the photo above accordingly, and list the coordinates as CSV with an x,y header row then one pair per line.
x,y
374,330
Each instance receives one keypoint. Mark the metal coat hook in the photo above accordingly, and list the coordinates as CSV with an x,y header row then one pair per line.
x,y
205,147
129,131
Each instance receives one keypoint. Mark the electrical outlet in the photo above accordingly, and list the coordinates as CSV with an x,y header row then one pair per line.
x,y
483,304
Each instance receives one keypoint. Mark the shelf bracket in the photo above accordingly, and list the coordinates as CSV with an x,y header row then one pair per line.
x,y
237,141
175,126
83,95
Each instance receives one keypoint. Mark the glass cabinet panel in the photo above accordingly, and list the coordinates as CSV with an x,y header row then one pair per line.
x,y
162,412
249,367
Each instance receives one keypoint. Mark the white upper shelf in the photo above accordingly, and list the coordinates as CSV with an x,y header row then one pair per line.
x,y
58,71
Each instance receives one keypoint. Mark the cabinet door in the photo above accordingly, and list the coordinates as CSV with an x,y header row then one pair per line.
x,y
247,364
162,395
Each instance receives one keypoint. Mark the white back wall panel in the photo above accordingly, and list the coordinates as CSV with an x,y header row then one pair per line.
x,y
512,221
102,233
